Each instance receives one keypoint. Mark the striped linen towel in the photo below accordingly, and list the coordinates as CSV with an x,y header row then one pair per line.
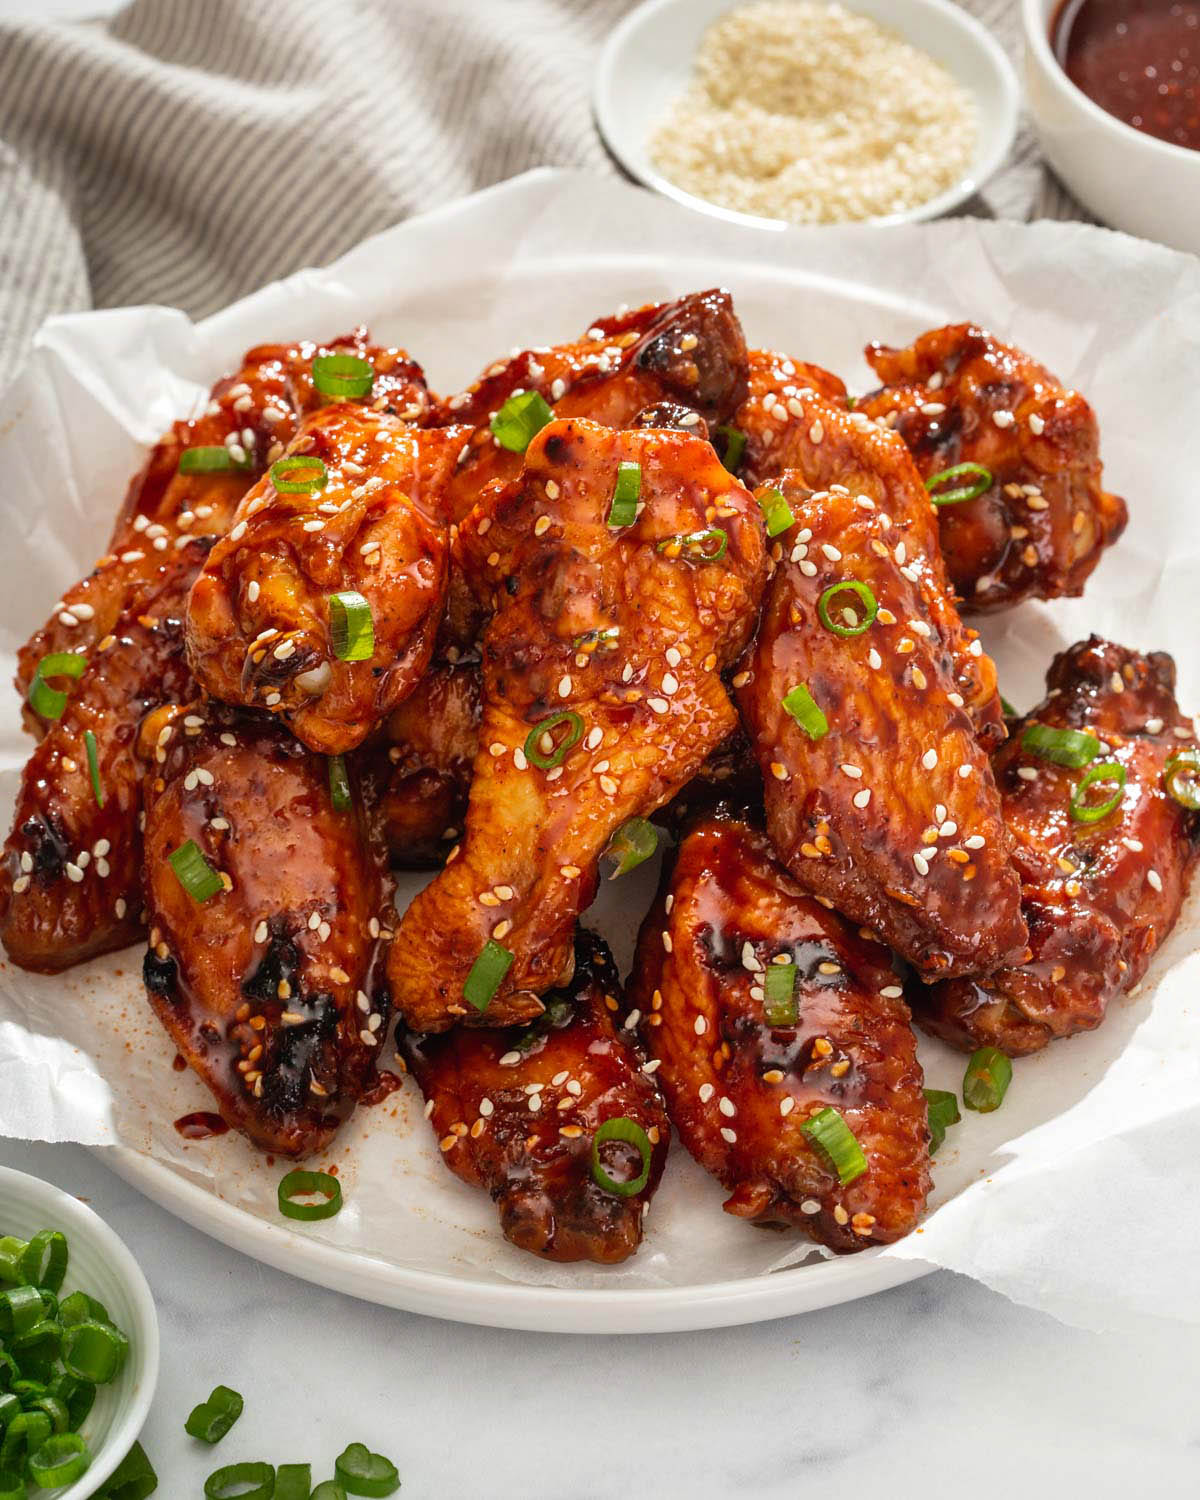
x,y
186,151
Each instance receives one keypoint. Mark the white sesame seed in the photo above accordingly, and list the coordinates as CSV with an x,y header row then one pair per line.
x,y
1003,419
1155,879
854,772
368,1038
510,1059
874,660
727,1107
728,1135
700,1026
786,1105
948,829
831,552
976,841
860,799
1037,424
921,863
929,759
1154,726
74,873
564,687
1135,846
670,684
658,705
1027,773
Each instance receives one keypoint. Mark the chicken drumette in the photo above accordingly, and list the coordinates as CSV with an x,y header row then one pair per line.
x,y
624,570
515,1112
745,1069
764,417
1041,518
1100,893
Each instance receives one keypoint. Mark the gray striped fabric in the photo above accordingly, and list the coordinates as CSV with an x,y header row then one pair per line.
x,y
186,151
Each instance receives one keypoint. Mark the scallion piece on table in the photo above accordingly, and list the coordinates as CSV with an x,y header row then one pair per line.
x,y
621,1128
252,1481
345,377
133,1478
777,513
301,1183
193,871
94,1352
943,1112
44,1260
780,1006
60,1460
848,621
44,699
93,760
487,975
976,479
361,1472
799,702
835,1142
1181,777
300,474
210,1420
520,420
1085,811
986,1081
545,747
211,460
351,626
1063,747
339,783
626,492
733,441
328,1489
293,1482
698,547
632,844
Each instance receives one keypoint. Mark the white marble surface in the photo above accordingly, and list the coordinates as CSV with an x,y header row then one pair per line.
x,y
935,1389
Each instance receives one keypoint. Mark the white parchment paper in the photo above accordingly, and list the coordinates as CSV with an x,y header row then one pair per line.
x,y
1080,1196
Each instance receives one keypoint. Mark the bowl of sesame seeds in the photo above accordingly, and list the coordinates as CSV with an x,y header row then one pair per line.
x,y
806,111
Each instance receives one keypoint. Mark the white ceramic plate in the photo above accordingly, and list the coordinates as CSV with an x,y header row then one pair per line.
x,y
647,62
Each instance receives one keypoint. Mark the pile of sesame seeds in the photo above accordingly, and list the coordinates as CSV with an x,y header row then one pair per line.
x,y
804,111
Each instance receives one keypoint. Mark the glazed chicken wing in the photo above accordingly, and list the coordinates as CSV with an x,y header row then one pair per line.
x,y
1100,896
958,395
879,796
602,695
269,988
773,380
515,1113
359,510
740,1088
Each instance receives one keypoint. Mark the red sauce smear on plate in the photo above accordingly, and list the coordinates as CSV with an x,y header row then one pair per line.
x,y
201,1126
1138,60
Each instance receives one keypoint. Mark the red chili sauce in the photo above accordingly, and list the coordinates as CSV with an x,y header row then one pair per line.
x,y
1137,59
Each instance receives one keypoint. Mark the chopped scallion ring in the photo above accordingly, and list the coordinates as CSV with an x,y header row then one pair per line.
x,y
94,1352
623,511
339,783
780,1005
294,1482
12,1485
43,1262
211,1420
361,1472
60,1460
777,513
351,626
343,376
986,1081
621,1128
328,1489
520,420
943,1112
194,873
978,478
1181,777
214,460
632,844
245,1481
1084,811
304,1184
836,1143
24,1435
20,1308
44,699
734,440
697,546
803,708
1063,747
545,748
93,760
299,475
487,975
851,623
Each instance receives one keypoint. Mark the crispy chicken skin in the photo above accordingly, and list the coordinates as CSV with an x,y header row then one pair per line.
x,y
738,1089
689,353
620,635
774,379
1100,898
531,1147
829,447
958,395
259,631
270,988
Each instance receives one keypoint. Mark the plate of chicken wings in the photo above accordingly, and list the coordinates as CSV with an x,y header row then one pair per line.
x,y
378,681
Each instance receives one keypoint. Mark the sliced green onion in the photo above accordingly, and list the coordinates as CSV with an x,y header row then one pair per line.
x,y
803,708
977,476
351,626
60,1460
299,475
1181,777
301,1183
343,376
339,783
623,511
214,460
621,1128
93,760
735,445
546,760
44,1261
245,1481
697,546
780,1005
632,845
80,1308
12,1485
94,1352
55,1408
487,975
835,1142
194,873
361,1472
133,1478
777,513
293,1482
20,1308
943,1112
1065,747
10,1405
27,1390
77,1395
328,1489
11,1251
39,1344
1084,811
520,420
212,1419
986,1081
23,1435
861,623
44,699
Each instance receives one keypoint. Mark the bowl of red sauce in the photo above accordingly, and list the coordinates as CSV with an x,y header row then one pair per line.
x,y
1114,87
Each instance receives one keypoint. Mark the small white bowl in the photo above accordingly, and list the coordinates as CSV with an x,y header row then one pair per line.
x,y
647,63
100,1265
1131,180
